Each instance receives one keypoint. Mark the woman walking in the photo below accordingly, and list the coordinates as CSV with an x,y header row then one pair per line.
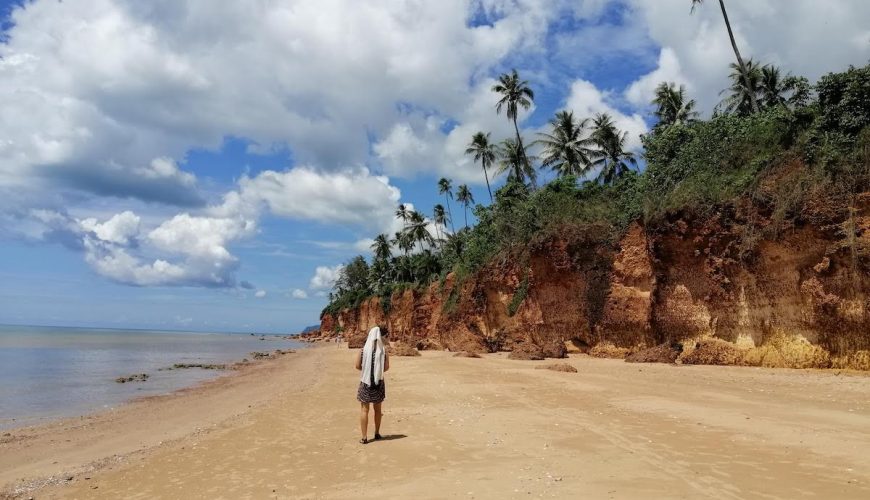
x,y
372,361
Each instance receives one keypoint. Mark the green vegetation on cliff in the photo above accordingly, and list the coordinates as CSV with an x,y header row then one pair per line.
x,y
804,143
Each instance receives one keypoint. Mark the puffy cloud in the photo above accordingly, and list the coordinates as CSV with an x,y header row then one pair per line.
x,y
260,294
796,35
586,99
641,92
352,197
324,277
120,228
299,294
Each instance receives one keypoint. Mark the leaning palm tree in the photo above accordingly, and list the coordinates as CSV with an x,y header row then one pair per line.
x,y
612,157
439,217
740,95
514,93
741,66
567,149
464,196
484,152
381,248
513,160
445,187
418,229
672,108
403,242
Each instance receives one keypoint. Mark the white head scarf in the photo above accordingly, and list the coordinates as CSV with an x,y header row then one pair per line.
x,y
374,343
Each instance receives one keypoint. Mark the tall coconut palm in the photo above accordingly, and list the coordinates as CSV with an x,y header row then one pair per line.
x,y
740,65
464,196
612,157
403,242
439,217
402,213
740,95
381,248
515,93
513,161
672,108
418,229
484,152
445,187
567,149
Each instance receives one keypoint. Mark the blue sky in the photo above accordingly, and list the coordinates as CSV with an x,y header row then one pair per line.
x,y
191,165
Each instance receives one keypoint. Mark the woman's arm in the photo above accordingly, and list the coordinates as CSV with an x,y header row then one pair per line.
x,y
386,361
358,362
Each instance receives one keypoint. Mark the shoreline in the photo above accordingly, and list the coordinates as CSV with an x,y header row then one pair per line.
x,y
35,471
287,428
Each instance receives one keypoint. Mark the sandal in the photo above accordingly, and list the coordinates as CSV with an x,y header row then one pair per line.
x,y
378,436
363,441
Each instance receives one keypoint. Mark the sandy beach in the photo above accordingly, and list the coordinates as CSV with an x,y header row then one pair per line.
x,y
465,428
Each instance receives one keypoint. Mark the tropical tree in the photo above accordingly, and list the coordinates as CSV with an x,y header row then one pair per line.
x,y
381,247
612,157
514,161
418,229
778,90
403,241
402,213
485,152
464,196
741,95
446,188
515,93
672,108
567,149
743,70
439,216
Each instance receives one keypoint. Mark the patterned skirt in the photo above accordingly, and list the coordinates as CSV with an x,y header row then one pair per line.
x,y
373,394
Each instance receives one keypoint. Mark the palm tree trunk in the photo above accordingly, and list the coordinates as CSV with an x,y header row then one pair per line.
x,y
466,216
740,63
449,212
487,184
520,143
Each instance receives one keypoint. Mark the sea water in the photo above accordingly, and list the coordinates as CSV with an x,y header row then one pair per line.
x,y
51,372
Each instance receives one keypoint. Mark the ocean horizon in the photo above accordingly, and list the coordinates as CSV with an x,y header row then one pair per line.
x,y
50,372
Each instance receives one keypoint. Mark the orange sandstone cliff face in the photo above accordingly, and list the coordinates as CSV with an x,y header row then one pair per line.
x,y
801,298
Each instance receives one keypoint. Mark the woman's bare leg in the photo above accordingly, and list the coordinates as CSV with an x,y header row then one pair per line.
x,y
377,417
364,419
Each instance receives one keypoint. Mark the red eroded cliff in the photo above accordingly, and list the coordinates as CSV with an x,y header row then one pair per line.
x,y
798,296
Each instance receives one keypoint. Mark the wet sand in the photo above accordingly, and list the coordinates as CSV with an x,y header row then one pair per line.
x,y
467,428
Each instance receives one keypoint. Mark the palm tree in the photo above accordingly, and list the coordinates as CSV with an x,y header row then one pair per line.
x,y
403,241
464,196
439,216
381,247
513,160
484,152
742,67
515,93
566,149
612,156
418,229
741,97
445,188
402,213
672,108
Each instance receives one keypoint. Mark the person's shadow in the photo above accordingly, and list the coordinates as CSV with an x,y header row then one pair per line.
x,y
390,437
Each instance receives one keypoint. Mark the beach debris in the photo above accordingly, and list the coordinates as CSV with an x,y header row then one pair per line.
x,y
204,366
662,353
270,355
402,349
139,377
466,354
713,352
608,350
527,351
557,367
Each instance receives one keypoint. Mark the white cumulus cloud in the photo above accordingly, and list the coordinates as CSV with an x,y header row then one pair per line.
x,y
324,277
298,293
